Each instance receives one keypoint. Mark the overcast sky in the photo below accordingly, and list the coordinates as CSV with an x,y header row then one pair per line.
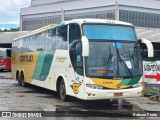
x,y
10,10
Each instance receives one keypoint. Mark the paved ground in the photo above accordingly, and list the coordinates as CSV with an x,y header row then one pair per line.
x,y
31,98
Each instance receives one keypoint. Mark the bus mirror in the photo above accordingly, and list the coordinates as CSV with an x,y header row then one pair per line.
x,y
85,47
149,45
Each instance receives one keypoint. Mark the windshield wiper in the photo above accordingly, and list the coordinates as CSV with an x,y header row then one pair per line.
x,y
123,62
107,66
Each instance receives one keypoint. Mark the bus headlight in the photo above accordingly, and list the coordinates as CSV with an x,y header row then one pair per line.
x,y
93,86
137,85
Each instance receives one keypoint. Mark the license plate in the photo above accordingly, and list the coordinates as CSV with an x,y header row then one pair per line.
x,y
118,94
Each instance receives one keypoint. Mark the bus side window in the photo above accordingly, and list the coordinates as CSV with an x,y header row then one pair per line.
x,y
61,38
50,39
8,53
79,59
32,43
74,33
20,46
40,42
63,33
75,48
26,44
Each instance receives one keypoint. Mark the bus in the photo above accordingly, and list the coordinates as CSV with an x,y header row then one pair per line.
x,y
5,59
90,59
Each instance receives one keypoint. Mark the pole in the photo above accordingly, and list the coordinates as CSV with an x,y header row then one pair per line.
x,y
116,11
21,19
62,15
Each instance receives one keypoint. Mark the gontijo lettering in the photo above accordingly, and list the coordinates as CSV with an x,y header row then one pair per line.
x,y
26,58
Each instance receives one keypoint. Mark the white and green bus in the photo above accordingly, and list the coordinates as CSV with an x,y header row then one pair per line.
x,y
90,59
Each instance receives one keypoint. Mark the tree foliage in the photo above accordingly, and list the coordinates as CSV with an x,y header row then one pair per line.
x,y
9,30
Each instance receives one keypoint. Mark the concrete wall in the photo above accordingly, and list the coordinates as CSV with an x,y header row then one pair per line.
x,y
44,2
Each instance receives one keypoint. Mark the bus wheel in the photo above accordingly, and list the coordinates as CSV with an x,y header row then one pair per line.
x,y
18,78
21,80
62,91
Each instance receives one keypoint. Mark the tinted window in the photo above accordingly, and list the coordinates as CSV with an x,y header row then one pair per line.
x,y
75,48
109,32
74,33
8,53
40,42
50,39
61,38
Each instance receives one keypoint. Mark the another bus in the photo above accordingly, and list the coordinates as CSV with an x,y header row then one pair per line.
x,y
90,59
5,59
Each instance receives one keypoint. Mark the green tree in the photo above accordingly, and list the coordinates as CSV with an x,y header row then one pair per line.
x,y
10,30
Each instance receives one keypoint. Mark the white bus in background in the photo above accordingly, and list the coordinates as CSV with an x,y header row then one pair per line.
x,y
90,59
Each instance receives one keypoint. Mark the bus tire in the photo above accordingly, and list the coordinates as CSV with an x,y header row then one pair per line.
x,y
62,91
22,82
19,82
18,78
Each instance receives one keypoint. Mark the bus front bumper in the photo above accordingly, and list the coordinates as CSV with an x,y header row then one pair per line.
x,y
97,94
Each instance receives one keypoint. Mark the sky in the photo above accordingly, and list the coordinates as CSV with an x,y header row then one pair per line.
x,y
10,12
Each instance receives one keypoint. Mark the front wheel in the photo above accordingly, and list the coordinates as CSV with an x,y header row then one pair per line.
x,y
62,91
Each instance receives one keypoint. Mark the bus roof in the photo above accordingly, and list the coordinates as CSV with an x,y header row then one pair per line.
x,y
78,21
81,21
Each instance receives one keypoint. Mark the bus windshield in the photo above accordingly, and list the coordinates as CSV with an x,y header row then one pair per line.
x,y
112,52
109,32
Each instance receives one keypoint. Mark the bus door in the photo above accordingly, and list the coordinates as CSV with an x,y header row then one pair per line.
x,y
75,71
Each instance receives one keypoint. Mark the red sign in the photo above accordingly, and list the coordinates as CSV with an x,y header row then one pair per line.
x,y
157,77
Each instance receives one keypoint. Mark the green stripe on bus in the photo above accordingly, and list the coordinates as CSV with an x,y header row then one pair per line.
x,y
130,81
43,65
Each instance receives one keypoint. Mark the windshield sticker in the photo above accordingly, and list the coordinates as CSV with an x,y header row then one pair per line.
x,y
78,79
118,45
75,87
129,65
78,58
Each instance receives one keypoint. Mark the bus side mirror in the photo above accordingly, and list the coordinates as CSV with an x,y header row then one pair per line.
x,y
85,47
149,45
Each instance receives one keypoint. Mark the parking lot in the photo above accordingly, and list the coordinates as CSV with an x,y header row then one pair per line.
x,y
32,98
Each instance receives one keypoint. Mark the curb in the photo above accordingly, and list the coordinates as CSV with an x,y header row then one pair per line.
x,y
3,77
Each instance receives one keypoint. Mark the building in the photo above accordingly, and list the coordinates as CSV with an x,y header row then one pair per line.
x,y
7,37
141,13
47,2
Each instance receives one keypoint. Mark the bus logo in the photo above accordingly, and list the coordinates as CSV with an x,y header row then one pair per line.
x,y
26,58
61,59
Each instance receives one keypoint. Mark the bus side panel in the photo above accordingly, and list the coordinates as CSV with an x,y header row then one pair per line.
x,y
8,64
24,62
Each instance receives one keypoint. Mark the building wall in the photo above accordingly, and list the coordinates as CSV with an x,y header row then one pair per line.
x,y
144,14
140,19
45,2
42,2
37,22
